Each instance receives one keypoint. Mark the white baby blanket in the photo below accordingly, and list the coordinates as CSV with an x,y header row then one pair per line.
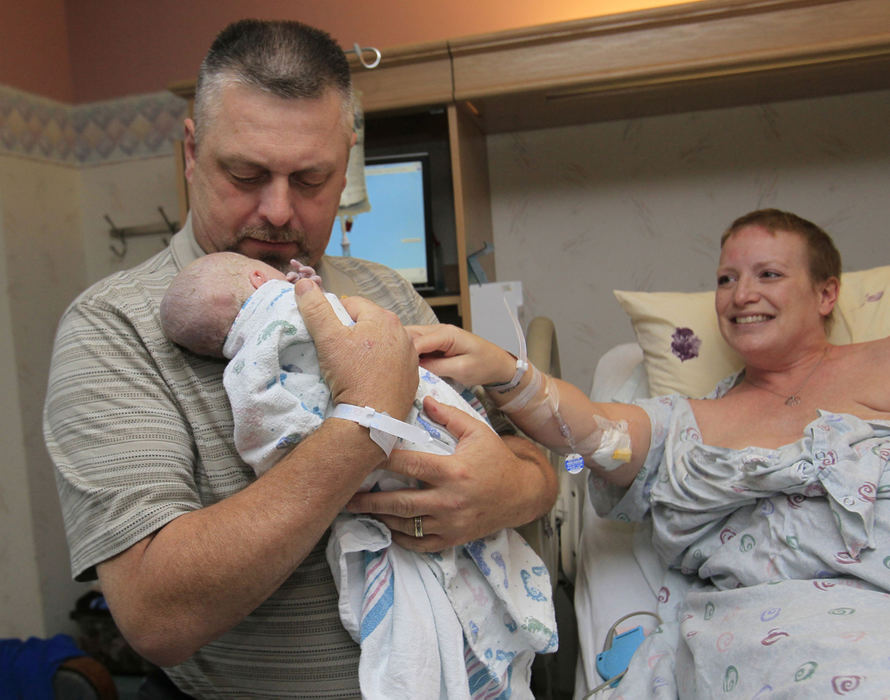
x,y
487,605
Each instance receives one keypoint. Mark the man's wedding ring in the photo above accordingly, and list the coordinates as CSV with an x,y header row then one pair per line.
x,y
418,526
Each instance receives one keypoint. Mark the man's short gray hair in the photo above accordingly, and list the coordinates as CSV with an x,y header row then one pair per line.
x,y
284,58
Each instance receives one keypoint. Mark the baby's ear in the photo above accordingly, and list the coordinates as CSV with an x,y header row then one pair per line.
x,y
258,278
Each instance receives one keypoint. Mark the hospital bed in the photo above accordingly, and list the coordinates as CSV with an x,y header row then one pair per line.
x,y
606,567
611,566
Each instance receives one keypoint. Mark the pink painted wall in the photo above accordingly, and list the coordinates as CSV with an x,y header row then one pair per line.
x,y
139,46
34,48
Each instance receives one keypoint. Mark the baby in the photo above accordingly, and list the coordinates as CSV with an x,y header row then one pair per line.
x,y
493,594
228,305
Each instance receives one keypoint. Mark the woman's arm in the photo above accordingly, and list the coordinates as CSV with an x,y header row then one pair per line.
x,y
553,412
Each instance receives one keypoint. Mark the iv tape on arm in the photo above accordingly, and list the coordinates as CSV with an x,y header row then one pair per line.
x,y
608,444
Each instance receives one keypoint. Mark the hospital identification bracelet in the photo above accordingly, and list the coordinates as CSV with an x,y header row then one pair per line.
x,y
521,368
385,430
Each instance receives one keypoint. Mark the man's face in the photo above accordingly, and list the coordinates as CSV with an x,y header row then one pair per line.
x,y
266,178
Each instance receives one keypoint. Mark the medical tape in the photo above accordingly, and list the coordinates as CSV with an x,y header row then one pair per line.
x,y
609,444
521,400
545,407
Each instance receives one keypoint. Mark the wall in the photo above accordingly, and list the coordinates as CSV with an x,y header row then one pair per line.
x,y
167,38
640,204
62,169
99,49
27,25
44,267
20,601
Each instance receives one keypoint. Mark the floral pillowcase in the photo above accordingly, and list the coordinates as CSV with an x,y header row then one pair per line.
x,y
684,353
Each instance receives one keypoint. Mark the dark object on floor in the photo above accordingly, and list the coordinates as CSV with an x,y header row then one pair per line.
x,y
100,638
83,678
51,669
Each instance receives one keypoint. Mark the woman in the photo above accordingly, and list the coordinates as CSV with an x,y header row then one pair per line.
x,y
780,476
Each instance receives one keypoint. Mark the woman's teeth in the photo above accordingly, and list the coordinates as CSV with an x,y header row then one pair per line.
x,y
751,319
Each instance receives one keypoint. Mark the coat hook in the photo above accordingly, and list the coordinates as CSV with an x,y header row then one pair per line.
x,y
122,234
120,251
170,225
360,52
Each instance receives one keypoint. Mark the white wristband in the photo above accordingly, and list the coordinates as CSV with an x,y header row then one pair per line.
x,y
521,367
385,430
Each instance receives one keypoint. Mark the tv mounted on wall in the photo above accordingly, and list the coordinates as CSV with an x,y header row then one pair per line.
x,y
397,231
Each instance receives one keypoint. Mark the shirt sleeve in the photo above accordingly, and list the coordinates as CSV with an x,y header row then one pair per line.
x,y
123,452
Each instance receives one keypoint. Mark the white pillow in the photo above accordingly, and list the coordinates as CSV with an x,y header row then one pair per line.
x,y
684,353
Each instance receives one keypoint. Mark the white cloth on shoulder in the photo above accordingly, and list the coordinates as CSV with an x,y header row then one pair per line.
x,y
487,604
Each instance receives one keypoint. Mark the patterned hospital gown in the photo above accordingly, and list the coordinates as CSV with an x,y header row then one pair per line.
x,y
779,560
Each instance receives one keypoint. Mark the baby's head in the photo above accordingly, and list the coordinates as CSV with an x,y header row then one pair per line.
x,y
203,300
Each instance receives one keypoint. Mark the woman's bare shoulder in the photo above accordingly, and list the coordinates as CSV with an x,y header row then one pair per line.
x,y
864,370
875,351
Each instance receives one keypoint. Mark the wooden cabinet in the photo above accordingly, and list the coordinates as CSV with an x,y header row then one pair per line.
x,y
699,55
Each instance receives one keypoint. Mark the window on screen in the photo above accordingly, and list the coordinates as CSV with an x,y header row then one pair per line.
x,y
395,232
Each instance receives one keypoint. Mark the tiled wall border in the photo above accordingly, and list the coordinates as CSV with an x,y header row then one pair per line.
x,y
89,134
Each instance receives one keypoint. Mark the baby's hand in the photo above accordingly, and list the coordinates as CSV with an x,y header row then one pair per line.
x,y
300,271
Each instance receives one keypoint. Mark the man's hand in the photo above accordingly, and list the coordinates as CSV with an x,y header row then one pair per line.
x,y
488,484
371,363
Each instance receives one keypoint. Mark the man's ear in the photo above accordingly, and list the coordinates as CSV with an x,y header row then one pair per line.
x,y
189,147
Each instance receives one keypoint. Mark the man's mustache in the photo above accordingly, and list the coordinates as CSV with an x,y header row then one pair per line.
x,y
273,234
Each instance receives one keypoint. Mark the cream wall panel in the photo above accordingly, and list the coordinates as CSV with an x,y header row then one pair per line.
x,y
129,193
20,605
44,265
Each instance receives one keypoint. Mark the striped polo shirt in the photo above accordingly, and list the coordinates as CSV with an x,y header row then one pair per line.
x,y
141,432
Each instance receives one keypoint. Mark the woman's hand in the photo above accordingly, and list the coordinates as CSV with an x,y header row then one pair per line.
x,y
449,351
489,483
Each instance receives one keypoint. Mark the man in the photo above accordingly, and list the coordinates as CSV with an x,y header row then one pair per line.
x,y
212,574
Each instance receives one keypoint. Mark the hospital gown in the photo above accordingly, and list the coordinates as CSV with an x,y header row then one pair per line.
x,y
779,560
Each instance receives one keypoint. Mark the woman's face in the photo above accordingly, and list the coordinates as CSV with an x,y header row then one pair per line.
x,y
766,301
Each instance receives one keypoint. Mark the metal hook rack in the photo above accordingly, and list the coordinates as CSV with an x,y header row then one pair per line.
x,y
360,51
122,234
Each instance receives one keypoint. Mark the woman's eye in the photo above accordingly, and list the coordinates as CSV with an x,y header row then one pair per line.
x,y
723,280
770,274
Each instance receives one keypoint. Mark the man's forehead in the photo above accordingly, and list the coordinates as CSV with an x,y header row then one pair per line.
x,y
249,112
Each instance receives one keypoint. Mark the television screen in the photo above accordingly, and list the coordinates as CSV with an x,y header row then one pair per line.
x,y
396,231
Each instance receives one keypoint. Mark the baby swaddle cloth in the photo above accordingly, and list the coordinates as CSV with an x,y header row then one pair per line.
x,y
462,623
275,386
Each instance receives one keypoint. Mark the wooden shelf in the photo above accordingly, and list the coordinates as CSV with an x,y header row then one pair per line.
x,y
700,55
449,300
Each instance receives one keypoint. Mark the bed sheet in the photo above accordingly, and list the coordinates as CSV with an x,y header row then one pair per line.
x,y
618,572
